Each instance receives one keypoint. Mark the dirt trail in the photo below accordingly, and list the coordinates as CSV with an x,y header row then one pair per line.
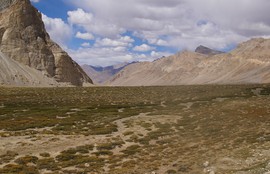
x,y
121,126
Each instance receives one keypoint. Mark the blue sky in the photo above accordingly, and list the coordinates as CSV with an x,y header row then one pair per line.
x,y
106,32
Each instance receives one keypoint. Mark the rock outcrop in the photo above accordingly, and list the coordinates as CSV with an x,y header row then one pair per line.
x,y
13,73
248,63
23,38
205,50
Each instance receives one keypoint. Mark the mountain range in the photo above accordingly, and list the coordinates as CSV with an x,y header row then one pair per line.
x,y
248,63
101,75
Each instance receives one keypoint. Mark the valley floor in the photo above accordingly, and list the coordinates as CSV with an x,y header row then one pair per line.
x,y
141,130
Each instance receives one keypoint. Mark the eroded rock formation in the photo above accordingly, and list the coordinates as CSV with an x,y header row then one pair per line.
x,y
23,38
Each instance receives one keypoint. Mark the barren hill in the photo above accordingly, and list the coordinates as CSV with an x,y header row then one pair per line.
x,y
248,63
23,38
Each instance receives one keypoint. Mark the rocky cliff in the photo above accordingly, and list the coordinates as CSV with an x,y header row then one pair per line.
x,y
23,38
13,73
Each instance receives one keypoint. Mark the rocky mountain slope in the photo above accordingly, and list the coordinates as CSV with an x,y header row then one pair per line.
x,y
23,38
248,63
16,74
100,75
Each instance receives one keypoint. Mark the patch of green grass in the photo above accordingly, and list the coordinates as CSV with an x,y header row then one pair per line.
x,y
71,153
48,164
131,150
162,131
110,145
75,160
18,169
103,152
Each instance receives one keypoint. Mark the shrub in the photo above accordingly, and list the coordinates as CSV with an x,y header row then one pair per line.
x,y
45,154
27,159
131,150
48,163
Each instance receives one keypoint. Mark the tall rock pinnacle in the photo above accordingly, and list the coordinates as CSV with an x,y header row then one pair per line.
x,y
23,38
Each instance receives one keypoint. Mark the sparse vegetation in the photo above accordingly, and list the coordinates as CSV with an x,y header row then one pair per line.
x,y
8,156
48,164
26,160
131,150
45,154
80,130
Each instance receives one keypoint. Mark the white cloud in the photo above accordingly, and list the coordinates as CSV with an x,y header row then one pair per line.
x,y
106,56
92,24
106,42
176,24
125,41
177,20
156,55
143,48
85,44
59,31
120,49
85,36
105,52
101,56
233,15
159,42
35,1
79,17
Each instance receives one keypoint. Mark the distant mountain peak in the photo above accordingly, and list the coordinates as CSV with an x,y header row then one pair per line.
x,y
207,51
101,74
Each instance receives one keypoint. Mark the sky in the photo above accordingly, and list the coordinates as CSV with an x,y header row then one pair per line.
x,y
107,32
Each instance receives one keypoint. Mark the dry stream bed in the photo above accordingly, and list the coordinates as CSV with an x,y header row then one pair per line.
x,y
215,129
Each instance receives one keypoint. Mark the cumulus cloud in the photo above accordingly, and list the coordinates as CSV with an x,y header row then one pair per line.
x,y
85,44
158,54
177,19
125,41
239,16
106,56
143,48
105,51
79,17
174,24
92,24
85,36
59,31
